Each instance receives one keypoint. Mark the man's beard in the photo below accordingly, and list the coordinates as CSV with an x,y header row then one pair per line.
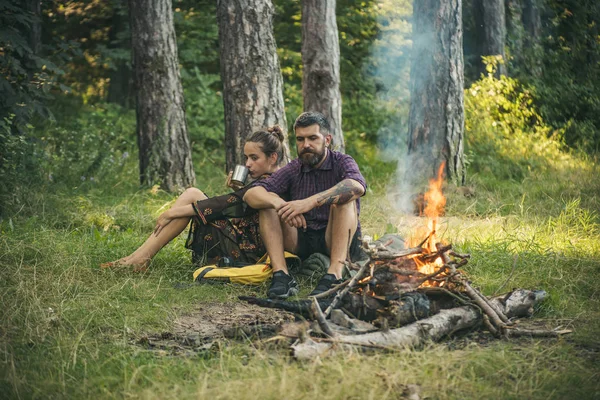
x,y
312,158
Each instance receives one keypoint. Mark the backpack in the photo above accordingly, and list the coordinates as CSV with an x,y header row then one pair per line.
x,y
244,274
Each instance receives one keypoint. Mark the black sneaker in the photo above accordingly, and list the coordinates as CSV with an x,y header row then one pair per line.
x,y
282,286
327,282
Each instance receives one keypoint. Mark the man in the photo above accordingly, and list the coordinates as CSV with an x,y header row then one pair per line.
x,y
311,205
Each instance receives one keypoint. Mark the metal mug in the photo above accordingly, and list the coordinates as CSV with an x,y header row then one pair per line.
x,y
240,173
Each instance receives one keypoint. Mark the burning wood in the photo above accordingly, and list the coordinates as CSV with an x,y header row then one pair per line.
x,y
410,295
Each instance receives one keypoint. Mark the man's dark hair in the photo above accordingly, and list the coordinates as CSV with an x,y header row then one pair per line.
x,y
313,118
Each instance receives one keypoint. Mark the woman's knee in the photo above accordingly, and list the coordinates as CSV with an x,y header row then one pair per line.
x,y
192,195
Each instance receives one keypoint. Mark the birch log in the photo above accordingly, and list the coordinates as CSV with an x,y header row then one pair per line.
x,y
519,303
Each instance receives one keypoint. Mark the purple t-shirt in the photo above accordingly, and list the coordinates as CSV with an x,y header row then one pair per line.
x,y
297,181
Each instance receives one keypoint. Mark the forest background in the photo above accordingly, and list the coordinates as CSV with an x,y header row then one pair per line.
x,y
70,198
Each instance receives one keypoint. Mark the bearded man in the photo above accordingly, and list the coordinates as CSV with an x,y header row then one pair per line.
x,y
310,206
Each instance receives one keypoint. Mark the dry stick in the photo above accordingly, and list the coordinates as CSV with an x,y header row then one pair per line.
x,y
402,271
512,271
500,314
457,255
426,239
388,255
472,291
433,275
514,332
489,326
318,315
331,291
340,295
440,251
450,293
497,317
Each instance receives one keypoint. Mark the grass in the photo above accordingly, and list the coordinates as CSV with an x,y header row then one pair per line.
x,y
70,330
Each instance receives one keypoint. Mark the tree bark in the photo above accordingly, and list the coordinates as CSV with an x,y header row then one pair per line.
x,y
252,81
514,28
524,31
436,119
321,64
120,78
164,145
532,21
490,23
35,30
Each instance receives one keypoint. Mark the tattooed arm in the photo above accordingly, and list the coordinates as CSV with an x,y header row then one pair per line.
x,y
342,193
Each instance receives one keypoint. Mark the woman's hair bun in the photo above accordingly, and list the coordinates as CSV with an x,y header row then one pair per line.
x,y
277,131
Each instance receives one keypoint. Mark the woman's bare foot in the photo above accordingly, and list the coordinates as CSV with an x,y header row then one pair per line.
x,y
126,262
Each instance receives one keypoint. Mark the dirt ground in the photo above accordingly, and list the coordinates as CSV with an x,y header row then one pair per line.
x,y
213,321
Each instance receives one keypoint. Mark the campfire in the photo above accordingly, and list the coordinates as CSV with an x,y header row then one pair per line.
x,y
404,297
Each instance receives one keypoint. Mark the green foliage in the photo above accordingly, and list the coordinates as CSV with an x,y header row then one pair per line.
x,y
26,81
95,144
204,109
567,76
197,37
505,135
100,32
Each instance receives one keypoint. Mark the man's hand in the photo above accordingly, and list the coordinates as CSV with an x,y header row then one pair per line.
x,y
163,220
298,222
291,209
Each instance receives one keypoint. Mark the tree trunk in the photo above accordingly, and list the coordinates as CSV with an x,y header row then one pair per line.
x,y
490,23
524,30
35,30
532,21
252,82
532,24
321,64
120,77
436,119
165,153
515,34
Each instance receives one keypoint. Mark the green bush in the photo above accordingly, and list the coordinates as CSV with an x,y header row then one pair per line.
x,y
505,135
90,146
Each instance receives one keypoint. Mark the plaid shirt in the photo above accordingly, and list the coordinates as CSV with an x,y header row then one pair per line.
x,y
297,181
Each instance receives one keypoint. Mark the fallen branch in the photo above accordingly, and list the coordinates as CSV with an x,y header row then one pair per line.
x,y
388,255
517,332
350,285
331,291
434,328
320,318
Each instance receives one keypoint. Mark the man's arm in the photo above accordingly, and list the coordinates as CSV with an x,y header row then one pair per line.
x,y
342,193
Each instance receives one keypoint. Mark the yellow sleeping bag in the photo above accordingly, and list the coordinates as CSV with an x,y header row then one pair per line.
x,y
253,274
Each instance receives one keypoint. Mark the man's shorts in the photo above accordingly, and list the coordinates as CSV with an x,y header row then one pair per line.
x,y
313,241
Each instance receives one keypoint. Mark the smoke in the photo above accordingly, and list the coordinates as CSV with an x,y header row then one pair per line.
x,y
391,57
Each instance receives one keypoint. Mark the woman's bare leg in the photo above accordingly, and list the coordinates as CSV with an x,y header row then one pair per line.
x,y
142,256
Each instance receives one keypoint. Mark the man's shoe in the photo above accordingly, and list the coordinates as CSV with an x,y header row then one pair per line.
x,y
282,286
327,282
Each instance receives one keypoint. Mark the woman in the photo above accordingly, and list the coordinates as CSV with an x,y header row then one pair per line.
x,y
222,226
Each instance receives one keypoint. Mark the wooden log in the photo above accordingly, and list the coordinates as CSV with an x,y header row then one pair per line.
x,y
434,328
320,318
390,255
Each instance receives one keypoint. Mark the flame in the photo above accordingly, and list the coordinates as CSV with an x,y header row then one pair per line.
x,y
436,202
434,197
